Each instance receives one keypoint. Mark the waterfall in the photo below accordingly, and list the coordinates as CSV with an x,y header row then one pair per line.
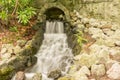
x,y
54,27
54,52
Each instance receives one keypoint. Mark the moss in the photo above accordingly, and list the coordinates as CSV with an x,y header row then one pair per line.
x,y
6,72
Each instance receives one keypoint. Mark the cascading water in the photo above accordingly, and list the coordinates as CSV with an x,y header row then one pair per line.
x,y
54,53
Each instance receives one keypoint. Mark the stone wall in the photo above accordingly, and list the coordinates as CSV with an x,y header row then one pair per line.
x,y
101,9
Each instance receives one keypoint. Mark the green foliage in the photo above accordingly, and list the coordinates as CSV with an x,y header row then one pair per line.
x,y
21,8
25,15
80,38
3,15
13,29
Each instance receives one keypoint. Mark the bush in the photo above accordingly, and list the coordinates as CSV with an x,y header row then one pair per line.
x,y
22,9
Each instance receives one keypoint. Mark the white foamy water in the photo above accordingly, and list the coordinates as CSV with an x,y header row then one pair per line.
x,y
54,52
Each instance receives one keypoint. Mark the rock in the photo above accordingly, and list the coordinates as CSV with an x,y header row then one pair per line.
x,y
117,43
3,50
80,76
66,78
37,76
94,22
84,70
6,56
74,68
21,43
115,54
109,42
80,27
109,64
85,60
114,71
17,49
114,26
98,70
54,74
20,75
108,32
6,72
101,52
96,33
85,20
9,48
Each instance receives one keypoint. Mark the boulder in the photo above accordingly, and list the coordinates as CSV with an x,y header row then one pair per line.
x,y
85,60
109,64
37,76
98,70
84,70
54,74
20,75
115,54
114,72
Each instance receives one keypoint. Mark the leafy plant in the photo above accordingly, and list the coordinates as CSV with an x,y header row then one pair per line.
x,y
80,38
20,8
13,29
3,15
25,15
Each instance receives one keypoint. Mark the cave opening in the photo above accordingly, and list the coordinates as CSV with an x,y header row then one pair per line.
x,y
54,14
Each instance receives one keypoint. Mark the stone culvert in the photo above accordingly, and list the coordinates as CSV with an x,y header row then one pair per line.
x,y
25,57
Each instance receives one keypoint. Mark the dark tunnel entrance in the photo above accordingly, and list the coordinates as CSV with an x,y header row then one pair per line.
x,y
54,14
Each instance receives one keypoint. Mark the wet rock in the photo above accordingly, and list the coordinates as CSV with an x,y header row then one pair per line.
x,y
6,72
114,71
74,68
54,74
20,75
37,76
98,70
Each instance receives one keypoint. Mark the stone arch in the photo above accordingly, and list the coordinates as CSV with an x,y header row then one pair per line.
x,y
42,16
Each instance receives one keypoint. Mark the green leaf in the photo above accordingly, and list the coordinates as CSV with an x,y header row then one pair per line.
x,y
3,15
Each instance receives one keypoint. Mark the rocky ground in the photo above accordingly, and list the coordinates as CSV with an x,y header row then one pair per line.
x,y
98,61
102,60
